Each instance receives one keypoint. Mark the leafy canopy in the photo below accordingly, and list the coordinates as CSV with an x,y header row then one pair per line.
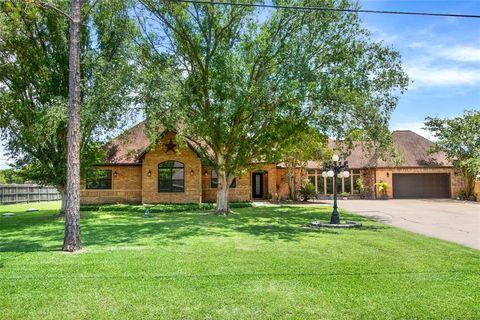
x,y
459,139
240,81
34,82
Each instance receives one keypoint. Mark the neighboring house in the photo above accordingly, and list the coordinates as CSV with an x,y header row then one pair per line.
x,y
135,172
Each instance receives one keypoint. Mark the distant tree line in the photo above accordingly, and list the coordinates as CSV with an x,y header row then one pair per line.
x,y
8,176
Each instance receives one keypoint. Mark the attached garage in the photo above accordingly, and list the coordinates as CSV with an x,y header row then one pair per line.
x,y
421,185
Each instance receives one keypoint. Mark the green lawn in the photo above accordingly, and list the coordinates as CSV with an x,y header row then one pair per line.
x,y
258,263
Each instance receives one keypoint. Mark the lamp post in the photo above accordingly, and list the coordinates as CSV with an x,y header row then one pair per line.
x,y
335,169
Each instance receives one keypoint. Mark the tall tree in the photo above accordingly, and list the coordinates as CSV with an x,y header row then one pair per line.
x,y
34,84
240,81
71,241
295,151
459,138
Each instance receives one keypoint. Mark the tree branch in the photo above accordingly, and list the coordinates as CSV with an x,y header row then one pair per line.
x,y
46,5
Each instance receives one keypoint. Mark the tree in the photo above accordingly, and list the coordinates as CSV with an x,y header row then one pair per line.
x,y
459,139
296,150
238,84
34,86
10,176
71,241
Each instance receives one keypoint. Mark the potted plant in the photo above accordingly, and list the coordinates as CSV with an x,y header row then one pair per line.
x,y
344,195
360,187
308,191
382,189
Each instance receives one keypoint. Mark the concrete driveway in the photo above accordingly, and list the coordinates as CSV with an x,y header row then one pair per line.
x,y
449,220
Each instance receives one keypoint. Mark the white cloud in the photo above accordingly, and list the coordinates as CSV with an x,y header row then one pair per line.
x,y
428,75
461,53
415,126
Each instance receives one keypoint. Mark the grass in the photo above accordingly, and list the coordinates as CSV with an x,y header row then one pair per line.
x,y
257,263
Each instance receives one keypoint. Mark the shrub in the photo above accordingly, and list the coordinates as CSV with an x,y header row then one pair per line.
x,y
159,208
382,188
308,191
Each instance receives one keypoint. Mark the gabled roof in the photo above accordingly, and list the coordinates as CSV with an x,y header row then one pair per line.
x,y
130,146
415,151
412,147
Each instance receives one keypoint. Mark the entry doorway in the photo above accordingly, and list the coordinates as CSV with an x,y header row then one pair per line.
x,y
257,185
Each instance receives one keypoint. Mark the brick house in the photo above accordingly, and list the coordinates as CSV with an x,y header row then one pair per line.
x,y
135,172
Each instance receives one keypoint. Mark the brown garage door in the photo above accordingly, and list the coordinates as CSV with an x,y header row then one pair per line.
x,y
421,185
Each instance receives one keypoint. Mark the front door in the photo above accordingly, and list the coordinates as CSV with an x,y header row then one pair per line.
x,y
257,185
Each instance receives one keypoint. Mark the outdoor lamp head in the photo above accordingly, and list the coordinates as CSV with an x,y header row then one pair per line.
x,y
324,174
330,173
335,157
340,174
346,174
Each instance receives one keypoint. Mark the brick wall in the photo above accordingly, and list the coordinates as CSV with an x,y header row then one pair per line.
x,y
192,169
126,187
368,176
242,191
386,174
282,182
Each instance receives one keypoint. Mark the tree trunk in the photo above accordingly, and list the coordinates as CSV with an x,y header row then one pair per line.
x,y
291,179
469,183
72,242
222,199
63,197
224,181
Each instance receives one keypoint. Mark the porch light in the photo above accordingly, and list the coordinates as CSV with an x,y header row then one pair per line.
x,y
115,174
191,172
335,157
149,173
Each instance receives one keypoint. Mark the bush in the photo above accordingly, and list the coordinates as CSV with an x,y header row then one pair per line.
x,y
308,191
382,188
159,208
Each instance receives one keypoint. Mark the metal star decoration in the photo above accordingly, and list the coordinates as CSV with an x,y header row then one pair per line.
x,y
170,146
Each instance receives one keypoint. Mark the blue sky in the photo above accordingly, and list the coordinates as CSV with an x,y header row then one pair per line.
x,y
441,56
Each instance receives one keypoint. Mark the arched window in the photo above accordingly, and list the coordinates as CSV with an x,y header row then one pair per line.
x,y
171,177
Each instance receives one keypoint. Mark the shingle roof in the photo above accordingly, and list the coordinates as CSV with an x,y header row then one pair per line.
x,y
130,146
413,149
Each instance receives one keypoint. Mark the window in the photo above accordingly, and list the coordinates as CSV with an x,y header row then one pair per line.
x,y
347,184
214,181
171,177
100,179
320,184
357,183
329,185
339,185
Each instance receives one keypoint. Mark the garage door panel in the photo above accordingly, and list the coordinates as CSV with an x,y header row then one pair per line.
x,y
421,185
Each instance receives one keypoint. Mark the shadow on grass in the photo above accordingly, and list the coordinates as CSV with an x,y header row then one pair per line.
x,y
268,223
